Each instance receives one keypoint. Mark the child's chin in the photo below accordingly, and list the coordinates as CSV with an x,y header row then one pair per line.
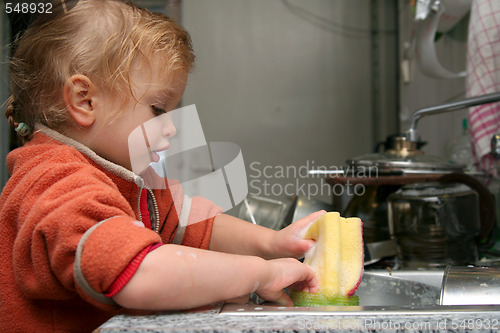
x,y
155,157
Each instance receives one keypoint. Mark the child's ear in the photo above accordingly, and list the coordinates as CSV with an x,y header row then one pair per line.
x,y
78,94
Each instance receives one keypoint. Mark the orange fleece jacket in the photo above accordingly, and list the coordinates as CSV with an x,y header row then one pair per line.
x,y
68,221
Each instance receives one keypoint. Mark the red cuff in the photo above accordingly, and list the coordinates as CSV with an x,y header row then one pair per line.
x,y
129,271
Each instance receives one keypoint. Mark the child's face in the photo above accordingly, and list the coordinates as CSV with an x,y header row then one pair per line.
x,y
155,92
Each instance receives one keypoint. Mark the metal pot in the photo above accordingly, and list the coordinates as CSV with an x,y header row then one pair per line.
x,y
382,174
374,177
435,224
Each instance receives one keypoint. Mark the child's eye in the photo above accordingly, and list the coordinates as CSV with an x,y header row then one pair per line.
x,y
157,111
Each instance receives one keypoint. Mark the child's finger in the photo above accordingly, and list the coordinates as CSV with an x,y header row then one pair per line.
x,y
280,297
239,300
284,300
311,217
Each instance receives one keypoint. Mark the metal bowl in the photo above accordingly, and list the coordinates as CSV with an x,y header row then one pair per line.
x,y
263,211
276,214
301,207
470,285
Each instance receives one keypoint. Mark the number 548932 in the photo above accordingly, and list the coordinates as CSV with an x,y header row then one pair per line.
x,y
28,7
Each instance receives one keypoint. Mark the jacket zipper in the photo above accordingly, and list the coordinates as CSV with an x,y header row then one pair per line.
x,y
156,212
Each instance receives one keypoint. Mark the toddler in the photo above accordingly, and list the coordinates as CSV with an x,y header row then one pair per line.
x,y
82,236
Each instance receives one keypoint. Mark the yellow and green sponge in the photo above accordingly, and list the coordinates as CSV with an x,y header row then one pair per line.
x,y
337,259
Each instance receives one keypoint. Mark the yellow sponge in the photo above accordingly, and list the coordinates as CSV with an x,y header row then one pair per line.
x,y
337,259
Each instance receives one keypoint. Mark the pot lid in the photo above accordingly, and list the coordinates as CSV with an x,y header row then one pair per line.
x,y
390,163
431,190
404,159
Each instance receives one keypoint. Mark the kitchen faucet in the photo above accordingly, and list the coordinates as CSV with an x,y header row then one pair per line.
x,y
411,132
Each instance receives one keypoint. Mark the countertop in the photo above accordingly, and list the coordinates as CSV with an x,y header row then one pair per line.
x,y
237,318
414,296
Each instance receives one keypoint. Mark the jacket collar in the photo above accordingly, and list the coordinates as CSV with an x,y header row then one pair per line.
x,y
109,166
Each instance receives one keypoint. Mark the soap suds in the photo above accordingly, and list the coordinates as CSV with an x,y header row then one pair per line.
x,y
256,286
139,224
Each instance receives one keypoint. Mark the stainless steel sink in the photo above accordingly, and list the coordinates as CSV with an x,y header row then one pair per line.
x,y
400,288
380,292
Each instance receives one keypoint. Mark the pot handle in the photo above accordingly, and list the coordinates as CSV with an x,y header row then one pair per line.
x,y
487,213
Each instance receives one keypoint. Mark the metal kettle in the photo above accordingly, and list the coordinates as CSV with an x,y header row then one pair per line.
x,y
382,174
439,223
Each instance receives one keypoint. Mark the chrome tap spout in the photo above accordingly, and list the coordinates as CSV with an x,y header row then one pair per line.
x,y
411,132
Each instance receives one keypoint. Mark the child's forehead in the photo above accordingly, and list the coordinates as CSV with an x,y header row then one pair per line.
x,y
162,92
159,68
158,82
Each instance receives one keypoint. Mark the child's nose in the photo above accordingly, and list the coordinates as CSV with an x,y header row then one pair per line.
x,y
169,130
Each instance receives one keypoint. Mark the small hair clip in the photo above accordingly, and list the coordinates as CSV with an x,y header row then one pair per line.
x,y
22,129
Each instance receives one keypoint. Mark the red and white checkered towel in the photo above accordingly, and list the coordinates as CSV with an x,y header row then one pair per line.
x,y
483,77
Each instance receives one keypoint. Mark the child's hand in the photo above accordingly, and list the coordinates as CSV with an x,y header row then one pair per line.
x,y
289,242
285,273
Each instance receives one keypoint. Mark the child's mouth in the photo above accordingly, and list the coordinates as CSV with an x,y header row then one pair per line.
x,y
154,153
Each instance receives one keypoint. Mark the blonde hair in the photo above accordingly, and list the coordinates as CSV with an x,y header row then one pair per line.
x,y
97,38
